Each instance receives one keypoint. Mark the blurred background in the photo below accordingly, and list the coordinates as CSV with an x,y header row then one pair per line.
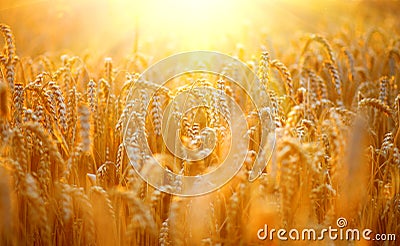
x,y
118,27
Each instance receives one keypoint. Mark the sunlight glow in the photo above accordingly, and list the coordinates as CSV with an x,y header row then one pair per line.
x,y
175,25
194,22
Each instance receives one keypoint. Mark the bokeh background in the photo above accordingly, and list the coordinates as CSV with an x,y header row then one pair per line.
x,y
122,26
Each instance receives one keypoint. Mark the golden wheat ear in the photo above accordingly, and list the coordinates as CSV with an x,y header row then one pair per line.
x,y
91,178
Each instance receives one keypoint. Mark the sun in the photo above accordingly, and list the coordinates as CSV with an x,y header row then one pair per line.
x,y
194,23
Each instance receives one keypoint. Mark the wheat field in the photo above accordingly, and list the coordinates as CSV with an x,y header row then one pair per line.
x,y
66,176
